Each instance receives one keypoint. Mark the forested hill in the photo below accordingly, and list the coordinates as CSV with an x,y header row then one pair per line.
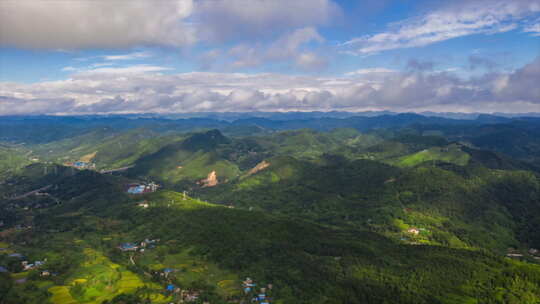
x,y
340,209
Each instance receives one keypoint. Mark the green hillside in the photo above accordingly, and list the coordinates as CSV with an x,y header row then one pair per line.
x,y
383,216
12,159
449,154
187,161
214,247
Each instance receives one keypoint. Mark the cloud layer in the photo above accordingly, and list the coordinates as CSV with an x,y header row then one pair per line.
x,y
61,24
461,18
140,89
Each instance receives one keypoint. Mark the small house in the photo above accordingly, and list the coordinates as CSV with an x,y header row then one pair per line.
x,y
170,287
3,270
414,231
139,189
45,273
80,164
128,247
514,255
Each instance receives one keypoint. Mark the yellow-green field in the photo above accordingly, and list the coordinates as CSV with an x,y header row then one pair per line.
x,y
450,154
99,279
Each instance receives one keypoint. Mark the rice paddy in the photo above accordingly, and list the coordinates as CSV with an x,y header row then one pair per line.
x,y
99,279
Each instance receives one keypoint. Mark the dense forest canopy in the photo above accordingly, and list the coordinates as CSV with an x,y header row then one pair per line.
x,y
355,209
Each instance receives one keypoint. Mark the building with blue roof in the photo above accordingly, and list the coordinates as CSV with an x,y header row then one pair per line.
x,y
128,247
81,164
170,287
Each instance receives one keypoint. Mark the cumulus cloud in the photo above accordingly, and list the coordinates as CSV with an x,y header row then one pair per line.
x,y
458,19
290,47
310,61
145,90
60,24
239,19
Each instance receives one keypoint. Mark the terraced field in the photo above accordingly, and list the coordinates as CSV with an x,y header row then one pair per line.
x,y
99,279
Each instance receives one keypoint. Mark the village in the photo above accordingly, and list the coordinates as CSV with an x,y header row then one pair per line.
x,y
20,266
141,188
172,288
21,269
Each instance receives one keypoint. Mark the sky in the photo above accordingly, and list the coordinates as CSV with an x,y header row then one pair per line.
x,y
78,57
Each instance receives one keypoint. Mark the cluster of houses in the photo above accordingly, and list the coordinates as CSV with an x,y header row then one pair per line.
x,y
185,295
257,297
26,265
142,188
30,266
81,165
514,253
140,247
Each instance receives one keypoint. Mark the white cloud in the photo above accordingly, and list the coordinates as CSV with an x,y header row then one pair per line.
x,y
68,69
78,24
63,24
310,61
534,29
140,89
239,19
370,71
135,69
130,56
290,47
461,18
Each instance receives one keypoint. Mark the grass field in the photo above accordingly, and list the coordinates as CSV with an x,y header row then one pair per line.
x,y
450,154
99,279
61,295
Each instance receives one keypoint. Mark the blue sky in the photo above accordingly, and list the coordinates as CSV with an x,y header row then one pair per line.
x,y
85,56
